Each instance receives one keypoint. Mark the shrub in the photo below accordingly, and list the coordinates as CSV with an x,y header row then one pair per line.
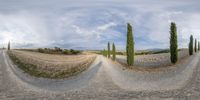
x,y
57,50
74,51
66,51
41,50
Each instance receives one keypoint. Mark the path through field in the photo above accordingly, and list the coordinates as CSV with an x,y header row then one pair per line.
x,y
104,80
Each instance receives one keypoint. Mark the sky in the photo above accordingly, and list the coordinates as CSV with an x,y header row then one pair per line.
x,y
90,24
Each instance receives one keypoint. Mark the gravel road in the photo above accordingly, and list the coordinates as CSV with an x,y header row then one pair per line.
x,y
104,80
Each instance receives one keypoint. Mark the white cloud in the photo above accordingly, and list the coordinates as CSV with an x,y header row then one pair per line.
x,y
73,24
106,26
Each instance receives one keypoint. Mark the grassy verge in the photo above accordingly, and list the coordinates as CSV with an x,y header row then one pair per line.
x,y
37,72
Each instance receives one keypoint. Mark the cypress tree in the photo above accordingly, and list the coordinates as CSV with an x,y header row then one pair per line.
x,y
108,52
130,45
113,52
9,45
191,45
199,46
173,43
195,45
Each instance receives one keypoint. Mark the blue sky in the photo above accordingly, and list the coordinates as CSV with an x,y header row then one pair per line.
x,y
90,24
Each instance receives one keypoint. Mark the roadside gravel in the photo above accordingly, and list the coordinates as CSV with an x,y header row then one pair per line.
x,y
153,60
101,85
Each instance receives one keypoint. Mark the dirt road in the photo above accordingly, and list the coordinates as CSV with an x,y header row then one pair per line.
x,y
104,80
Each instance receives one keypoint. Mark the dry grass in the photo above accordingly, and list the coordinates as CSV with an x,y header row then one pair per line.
x,y
51,66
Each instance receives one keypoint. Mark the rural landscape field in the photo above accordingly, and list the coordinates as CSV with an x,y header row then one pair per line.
x,y
99,50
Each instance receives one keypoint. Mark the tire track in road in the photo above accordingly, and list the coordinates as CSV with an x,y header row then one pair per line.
x,y
74,82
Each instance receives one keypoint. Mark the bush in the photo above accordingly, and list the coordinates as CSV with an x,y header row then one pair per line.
x,y
74,51
57,50
66,51
41,50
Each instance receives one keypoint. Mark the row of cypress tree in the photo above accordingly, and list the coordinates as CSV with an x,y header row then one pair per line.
x,y
129,47
107,53
195,47
173,45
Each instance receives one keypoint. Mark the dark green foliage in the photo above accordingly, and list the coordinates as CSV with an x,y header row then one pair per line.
x,y
195,45
198,46
72,51
108,49
191,45
66,51
130,45
173,43
57,50
113,52
9,45
41,50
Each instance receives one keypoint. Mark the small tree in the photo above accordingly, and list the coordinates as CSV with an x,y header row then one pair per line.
x,y
195,45
173,43
113,52
108,50
191,45
130,45
9,45
104,53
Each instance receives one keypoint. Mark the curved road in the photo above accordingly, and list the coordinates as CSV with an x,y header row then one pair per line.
x,y
103,80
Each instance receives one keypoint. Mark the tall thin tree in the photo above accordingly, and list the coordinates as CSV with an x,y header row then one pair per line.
x,y
113,52
9,45
195,45
191,45
108,50
130,45
198,46
173,43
